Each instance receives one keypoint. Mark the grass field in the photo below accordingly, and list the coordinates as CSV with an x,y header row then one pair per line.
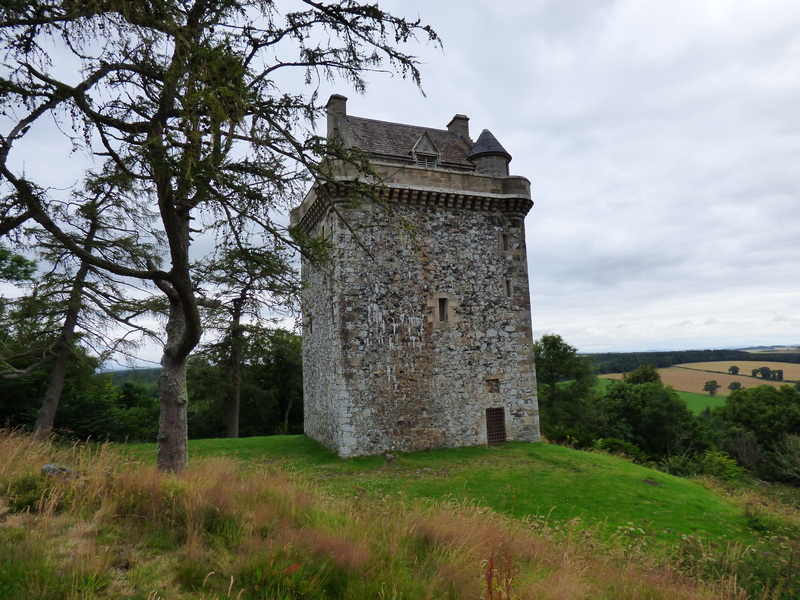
x,y
521,480
697,403
282,517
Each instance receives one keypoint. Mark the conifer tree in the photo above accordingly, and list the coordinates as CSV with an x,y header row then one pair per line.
x,y
180,102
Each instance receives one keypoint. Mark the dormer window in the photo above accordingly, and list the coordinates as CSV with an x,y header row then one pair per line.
x,y
425,152
426,160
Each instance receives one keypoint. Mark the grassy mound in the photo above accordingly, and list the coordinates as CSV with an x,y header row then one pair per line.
x,y
539,481
283,518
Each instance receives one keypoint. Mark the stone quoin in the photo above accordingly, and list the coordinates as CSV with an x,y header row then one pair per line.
x,y
417,332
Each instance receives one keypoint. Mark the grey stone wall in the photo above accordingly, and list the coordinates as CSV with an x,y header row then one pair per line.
x,y
421,321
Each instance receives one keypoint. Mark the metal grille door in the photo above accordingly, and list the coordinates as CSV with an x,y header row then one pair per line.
x,y
496,426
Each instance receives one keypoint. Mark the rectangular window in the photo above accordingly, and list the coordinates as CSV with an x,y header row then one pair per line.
x,y
493,386
509,289
442,310
496,426
504,245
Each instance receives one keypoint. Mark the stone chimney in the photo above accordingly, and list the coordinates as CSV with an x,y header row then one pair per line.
x,y
338,129
459,127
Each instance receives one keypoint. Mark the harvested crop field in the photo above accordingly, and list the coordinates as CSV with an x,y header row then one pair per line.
x,y
791,371
688,379
691,377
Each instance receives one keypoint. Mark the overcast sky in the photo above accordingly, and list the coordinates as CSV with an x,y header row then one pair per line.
x,y
662,140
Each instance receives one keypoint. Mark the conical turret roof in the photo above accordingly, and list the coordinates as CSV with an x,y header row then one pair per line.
x,y
487,144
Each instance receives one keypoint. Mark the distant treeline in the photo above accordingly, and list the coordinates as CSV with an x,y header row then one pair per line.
x,y
146,376
625,362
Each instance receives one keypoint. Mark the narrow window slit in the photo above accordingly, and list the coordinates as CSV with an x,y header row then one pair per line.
x,y
442,309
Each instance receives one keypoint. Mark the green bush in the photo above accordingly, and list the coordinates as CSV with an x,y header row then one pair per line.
x,y
621,448
784,460
575,437
709,464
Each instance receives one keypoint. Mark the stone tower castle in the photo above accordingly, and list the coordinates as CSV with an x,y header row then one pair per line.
x,y
417,334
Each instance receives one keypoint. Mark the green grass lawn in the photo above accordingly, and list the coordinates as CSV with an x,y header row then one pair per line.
x,y
539,481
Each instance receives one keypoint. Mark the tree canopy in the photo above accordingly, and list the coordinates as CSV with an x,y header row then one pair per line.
x,y
565,383
642,374
648,415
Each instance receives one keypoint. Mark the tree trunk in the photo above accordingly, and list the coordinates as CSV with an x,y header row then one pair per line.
x,y
173,431
234,396
52,397
63,349
183,334
286,415
234,401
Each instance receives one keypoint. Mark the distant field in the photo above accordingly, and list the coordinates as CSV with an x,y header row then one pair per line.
x,y
791,371
691,380
784,350
697,403
691,377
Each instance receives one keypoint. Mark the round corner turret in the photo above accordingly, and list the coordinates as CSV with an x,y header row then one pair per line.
x,y
489,156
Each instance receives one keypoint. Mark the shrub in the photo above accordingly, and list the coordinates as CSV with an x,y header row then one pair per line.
x,y
710,464
784,462
680,465
720,465
622,448
575,437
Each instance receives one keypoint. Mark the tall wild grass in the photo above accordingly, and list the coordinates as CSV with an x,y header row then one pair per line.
x,y
109,527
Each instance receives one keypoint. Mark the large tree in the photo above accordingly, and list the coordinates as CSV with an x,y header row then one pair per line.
x,y
270,383
767,412
246,289
70,300
566,381
179,101
649,415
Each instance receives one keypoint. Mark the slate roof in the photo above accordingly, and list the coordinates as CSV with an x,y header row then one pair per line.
x,y
487,144
395,140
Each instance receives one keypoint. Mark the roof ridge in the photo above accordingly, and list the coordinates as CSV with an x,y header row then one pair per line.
x,y
400,124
